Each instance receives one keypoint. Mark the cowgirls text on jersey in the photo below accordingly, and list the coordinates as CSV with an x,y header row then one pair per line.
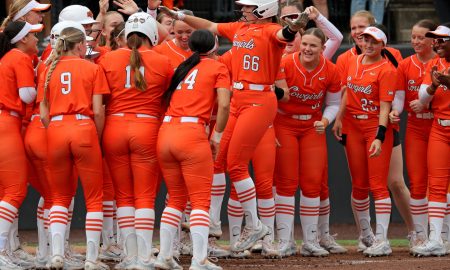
x,y
412,86
359,88
294,92
244,44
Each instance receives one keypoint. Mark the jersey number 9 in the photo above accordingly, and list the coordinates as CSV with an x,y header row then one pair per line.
x,y
66,81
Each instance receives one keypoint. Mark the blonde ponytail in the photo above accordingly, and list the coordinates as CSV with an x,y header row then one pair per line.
x,y
134,42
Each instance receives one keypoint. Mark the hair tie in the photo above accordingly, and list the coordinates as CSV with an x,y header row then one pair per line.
x,y
63,39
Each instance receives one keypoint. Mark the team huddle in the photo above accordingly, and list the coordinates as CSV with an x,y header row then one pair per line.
x,y
123,105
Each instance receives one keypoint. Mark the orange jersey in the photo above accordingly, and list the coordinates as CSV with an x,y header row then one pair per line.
x,y
440,104
226,59
256,51
410,74
343,60
46,53
125,98
367,85
175,53
103,50
16,71
196,95
307,89
73,83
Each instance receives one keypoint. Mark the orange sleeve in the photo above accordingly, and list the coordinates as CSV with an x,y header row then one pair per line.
x,y
273,30
25,71
387,85
223,77
228,29
335,82
101,84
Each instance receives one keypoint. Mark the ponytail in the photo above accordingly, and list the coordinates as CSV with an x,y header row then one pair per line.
x,y
134,42
181,72
389,56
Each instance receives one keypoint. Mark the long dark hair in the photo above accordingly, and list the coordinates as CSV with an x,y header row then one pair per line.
x,y
201,42
10,31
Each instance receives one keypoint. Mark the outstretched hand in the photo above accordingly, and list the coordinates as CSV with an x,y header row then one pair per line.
x,y
298,24
127,7
171,13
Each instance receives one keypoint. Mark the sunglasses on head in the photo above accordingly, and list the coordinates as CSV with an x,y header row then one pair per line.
x,y
291,16
441,40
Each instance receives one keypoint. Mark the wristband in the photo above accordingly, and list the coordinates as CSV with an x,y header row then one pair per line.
x,y
279,92
216,136
381,132
288,34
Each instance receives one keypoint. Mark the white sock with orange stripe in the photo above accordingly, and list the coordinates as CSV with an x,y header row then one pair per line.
x,y
266,210
362,215
436,214
69,221
144,223
94,224
217,191
199,234
116,229
446,225
309,216
13,238
170,221
108,223
285,214
125,221
245,190
47,229
42,234
58,223
7,215
419,212
235,217
382,214
324,217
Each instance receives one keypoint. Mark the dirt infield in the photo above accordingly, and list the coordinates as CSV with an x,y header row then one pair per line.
x,y
399,260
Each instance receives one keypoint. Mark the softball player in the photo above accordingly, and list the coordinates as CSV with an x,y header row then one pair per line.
x,y
68,99
19,44
434,91
370,91
359,21
138,77
410,76
257,48
300,127
183,150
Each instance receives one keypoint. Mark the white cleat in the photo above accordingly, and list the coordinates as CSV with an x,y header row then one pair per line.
x,y
70,253
144,264
98,265
126,263
112,253
167,263
249,237
207,265
57,262
22,259
447,247
257,247
378,248
270,249
329,243
6,262
287,248
240,254
313,249
214,250
429,248
365,242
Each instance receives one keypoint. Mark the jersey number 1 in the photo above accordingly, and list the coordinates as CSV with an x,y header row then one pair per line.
x,y
128,79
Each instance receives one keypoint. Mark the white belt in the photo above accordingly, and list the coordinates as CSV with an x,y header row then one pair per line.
x,y
12,113
428,115
34,116
444,122
361,116
138,115
251,86
302,117
77,116
183,119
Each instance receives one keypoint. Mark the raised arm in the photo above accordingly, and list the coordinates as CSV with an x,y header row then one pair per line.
x,y
195,22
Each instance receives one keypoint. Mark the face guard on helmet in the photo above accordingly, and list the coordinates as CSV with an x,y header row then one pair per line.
x,y
264,8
